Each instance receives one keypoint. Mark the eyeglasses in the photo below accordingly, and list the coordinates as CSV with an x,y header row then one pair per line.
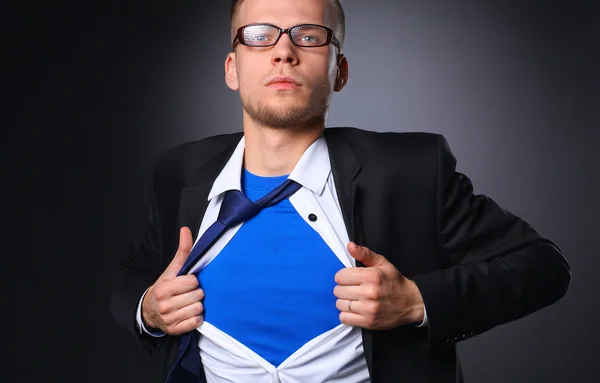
x,y
267,35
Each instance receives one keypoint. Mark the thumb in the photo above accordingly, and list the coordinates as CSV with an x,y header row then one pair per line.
x,y
185,246
365,255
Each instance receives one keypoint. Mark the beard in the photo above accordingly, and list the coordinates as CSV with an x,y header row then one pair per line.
x,y
288,115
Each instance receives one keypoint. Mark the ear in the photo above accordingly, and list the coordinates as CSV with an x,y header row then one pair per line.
x,y
230,72
342,73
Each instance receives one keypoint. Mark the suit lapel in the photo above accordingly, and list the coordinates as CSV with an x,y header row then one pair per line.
x,y
194,198
345,168
193,203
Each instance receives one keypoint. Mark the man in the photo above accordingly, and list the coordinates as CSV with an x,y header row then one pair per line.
x,y
358,257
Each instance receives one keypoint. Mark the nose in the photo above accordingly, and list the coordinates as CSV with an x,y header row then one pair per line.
x,y
284,51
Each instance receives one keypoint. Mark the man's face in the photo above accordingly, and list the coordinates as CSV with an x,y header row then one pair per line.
x,y
250,69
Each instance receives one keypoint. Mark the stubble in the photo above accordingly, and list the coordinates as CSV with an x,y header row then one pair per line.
x,y
288,113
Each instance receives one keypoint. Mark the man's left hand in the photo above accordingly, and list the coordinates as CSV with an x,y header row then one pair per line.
x,y
377,296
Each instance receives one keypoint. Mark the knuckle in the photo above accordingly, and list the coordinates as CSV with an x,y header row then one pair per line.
x,y
163,307
159,292
369,275
377,307
192,280
371,292
365,275
373,307
196,321
376,277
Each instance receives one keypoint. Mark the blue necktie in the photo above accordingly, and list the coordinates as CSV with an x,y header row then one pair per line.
x,y
235,208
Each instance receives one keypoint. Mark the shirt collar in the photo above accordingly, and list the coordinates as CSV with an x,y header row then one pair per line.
x,y
311,171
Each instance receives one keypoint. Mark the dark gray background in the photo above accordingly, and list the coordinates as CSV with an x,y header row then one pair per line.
x,y
512,85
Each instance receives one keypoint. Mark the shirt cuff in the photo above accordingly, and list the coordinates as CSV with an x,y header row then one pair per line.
x,y
425,321
140,322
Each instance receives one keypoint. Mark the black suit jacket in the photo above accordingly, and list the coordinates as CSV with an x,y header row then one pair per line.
x,y
476,265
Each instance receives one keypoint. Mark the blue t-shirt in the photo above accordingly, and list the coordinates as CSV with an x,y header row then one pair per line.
x,y
271,287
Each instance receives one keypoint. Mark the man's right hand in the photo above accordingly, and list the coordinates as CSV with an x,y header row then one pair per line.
x,y
173,303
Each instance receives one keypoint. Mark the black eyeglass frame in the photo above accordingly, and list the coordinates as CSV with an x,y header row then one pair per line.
x,y
331,39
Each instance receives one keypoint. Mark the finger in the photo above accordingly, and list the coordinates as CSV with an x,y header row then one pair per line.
x,y
352,319
187,325
350,276
179,301
168,288
185,246
347,292
366,256
352,306
173,319
183,284
346,305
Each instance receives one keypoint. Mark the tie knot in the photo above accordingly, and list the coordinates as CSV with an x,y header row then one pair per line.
x,y
237,208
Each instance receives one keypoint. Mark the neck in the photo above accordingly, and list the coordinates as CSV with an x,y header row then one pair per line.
x,y
272,152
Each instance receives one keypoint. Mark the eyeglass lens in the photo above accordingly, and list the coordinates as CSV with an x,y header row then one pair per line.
x,y
304,35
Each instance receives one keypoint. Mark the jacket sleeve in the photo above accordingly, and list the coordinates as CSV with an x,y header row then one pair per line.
x,y
497,268
137,271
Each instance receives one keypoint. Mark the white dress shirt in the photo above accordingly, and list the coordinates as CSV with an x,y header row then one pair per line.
x,y
334,356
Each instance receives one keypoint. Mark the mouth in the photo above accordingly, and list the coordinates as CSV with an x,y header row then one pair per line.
x,y
283,83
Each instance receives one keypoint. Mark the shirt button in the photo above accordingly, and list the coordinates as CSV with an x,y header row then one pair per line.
x,y
312,217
